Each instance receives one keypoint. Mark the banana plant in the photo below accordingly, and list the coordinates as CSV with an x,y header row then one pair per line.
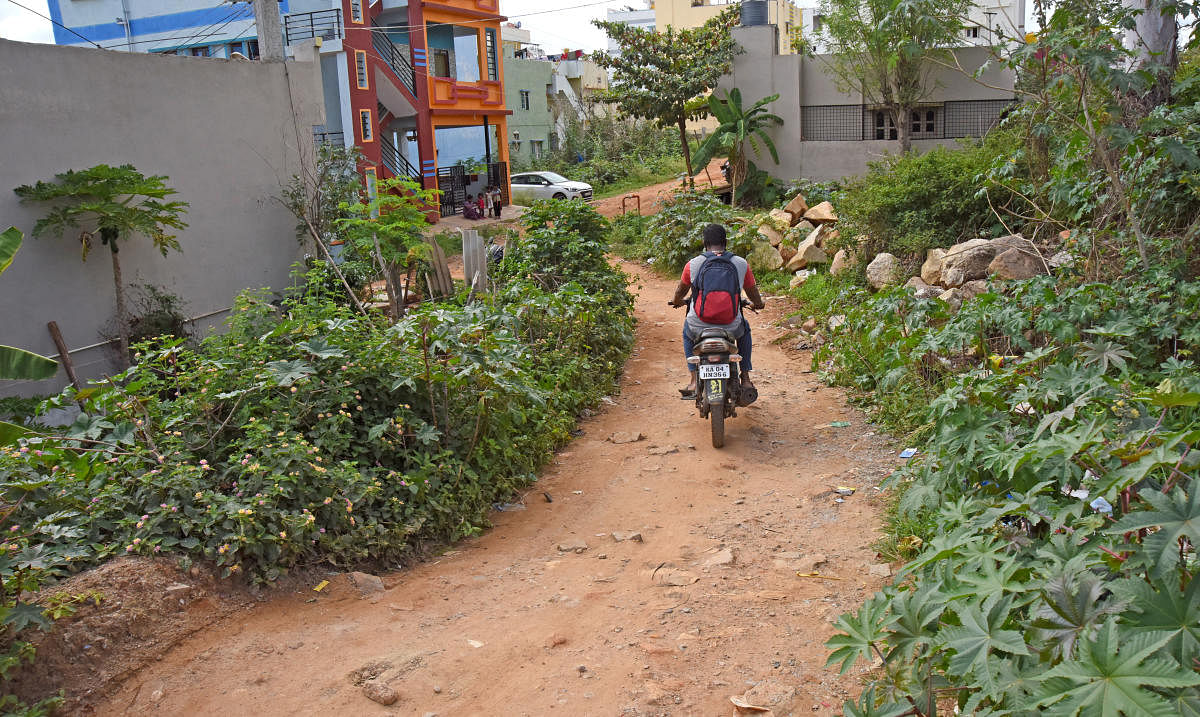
x,y
739,126
18,363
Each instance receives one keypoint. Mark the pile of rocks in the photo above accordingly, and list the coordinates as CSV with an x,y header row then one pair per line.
x,y
962,271
796,237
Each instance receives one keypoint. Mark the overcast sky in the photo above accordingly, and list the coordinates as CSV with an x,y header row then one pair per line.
x,y
565,24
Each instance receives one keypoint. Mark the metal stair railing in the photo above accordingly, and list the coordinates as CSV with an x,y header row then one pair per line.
x,y
395,59
397,163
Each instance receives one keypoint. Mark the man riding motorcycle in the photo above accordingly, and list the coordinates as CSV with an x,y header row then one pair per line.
x,y
716,301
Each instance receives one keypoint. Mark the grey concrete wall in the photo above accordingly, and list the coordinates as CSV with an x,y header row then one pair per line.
x,y
801,81
222,131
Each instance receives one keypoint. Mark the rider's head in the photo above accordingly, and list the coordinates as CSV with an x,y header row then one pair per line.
x,y
714,237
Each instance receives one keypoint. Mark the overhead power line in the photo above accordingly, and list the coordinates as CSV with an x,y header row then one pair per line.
x,y
174,38
233,15
236,15
35,12
478,22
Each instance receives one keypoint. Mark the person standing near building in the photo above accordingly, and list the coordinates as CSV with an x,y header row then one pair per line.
x,y
488,210
497,200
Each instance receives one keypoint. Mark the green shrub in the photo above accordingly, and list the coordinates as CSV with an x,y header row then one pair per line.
x,y
307,433
814,192
1044,515
909,203
628,236
576,217
674,234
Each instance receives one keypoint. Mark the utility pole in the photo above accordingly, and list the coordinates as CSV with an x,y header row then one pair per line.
x,y
270,33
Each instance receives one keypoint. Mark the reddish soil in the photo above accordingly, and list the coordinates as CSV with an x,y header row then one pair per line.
x,y
707,605
654,196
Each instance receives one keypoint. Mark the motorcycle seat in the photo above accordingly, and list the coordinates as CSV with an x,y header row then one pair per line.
x,y
712,333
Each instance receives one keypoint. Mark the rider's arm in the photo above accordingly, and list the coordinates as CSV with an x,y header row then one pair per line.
x,y
754,296
680,292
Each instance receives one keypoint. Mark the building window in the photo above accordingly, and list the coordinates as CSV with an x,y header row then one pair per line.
x,y
234,47
924,122
493,69
371,176
356,13
360,66
252,49
885,128
972,32
525,100
441,62
199,52
535,148
818,23
366,126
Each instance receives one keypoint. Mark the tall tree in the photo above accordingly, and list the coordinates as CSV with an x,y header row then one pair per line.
x,y
1153,38
658,72
739,126
116,203
883,49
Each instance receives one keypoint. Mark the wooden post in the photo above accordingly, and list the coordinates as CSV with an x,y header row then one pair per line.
x,y
64,356
474,261
440,282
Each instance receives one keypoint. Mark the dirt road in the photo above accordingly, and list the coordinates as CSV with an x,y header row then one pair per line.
x,y
524,620
655,196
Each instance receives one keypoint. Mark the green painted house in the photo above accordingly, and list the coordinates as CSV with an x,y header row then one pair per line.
x,y
528,83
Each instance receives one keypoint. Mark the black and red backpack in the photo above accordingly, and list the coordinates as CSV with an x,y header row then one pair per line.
x,y
718,289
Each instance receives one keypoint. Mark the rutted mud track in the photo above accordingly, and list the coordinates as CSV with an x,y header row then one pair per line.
x,y
507,624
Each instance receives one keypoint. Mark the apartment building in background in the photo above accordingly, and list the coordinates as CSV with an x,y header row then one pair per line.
x,y
546,91
416,85
657,15
985,22
829,133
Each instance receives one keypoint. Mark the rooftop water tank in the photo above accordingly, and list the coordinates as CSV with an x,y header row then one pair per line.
x,y
754,12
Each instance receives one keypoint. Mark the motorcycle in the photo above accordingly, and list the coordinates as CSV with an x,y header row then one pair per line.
x,y
720,391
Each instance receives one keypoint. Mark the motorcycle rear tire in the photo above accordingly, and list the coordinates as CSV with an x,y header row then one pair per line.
x,y
717,415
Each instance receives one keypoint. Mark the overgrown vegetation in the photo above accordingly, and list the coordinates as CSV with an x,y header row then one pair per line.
x,y
669,238
308,433
912,202
1049,518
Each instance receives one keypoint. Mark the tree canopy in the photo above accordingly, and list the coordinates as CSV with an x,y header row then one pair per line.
x,y
883,49
657,73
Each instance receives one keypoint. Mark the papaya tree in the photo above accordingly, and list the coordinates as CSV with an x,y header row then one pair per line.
x,y
739,126
389,231
114,203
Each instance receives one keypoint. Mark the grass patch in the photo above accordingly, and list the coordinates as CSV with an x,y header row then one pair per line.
x,y
640,178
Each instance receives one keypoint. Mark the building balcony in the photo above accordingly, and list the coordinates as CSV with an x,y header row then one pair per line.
x,y
325,24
